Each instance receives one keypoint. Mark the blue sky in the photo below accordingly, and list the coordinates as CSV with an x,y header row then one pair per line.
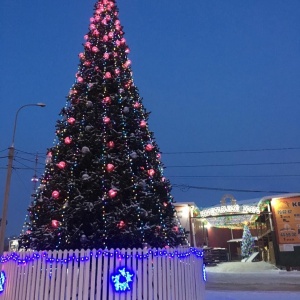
x,y
217,76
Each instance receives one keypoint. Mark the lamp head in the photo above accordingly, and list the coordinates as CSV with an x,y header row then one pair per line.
x,y
41,104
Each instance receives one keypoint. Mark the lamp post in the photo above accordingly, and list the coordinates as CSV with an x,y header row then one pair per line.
x,y
11,152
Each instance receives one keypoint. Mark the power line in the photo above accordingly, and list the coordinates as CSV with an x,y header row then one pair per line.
x,y
185,187
238,164
233,151
232,176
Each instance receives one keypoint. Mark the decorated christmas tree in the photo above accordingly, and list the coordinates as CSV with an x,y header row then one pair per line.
x,y
247,242
103,185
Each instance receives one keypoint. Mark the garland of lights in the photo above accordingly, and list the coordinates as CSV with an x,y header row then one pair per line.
x,y
16,258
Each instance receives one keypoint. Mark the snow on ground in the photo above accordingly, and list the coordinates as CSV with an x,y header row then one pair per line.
x,y
249,281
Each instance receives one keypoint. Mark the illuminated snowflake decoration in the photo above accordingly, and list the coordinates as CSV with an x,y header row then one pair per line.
x,y
2,281
122,280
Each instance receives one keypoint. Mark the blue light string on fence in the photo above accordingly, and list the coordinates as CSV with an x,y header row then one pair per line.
x,y
16,257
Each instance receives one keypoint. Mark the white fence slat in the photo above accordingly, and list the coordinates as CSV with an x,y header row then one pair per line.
x,y
150,275
164,276
75,275
70,267
50,276
155,274
139,275
105,276
99,277
93,274
145,275
80,277
159,272
63,275
86,276
38,276
172,276
131,262
112,261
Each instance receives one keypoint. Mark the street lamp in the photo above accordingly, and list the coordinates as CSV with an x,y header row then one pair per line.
x,y
11,152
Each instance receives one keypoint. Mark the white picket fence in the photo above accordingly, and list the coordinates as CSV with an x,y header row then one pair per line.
x,y
164,274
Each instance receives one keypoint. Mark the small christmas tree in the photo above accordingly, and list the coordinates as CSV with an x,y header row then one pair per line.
x,y
103,185
247,242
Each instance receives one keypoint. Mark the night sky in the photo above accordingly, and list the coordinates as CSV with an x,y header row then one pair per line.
x,y
221,79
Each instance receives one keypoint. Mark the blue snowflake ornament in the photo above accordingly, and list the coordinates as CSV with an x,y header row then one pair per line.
x,y
2,281
122,280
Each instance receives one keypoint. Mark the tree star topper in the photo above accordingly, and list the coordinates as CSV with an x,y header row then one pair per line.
x,y
121,281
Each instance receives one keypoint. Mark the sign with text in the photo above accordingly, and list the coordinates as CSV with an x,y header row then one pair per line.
x,y
286,212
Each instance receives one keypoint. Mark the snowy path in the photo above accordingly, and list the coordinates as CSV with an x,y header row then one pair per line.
x,y
249,281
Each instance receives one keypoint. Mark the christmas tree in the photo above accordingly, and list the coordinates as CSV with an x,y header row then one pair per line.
x,y
103,185
247,242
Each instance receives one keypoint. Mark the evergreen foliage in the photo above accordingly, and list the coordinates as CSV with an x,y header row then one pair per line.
x,y
247,242
103,185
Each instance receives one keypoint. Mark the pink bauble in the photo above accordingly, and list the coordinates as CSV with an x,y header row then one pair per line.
x,y
111,35
86,37
55,223
127,50
175,228
92,19
110,167
117,71
112,193
118,43
104,22
88,45
121,224
87,63
68,140
118,27
117,22
106,100
107,17
107,75
49,154
105,38
106,55
143,124
106,120
151,172
71,120
123,41
95,49
163,179
92,27
61,165
111,144
149,147
55,194
96,32
81,55
80,79
127,63
136,105
158,156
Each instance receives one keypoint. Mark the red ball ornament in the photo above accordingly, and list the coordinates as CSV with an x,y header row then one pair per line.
x,y
111,144
110,35
81,55
68,140
175,229
92,27
105,38
79,79
106,100
106,55
71,120
127,63
136,105
61,165
104,22
121,224
107,17
117,71
149,147
127,50
86,37
112,193
110,167
49,154
55,194
118,27
123,41
88,45
163,179
95,49
106,120
92,19
143,124
87,63
107,75
96,32
97,19
151,172
118,43
55,223
117,22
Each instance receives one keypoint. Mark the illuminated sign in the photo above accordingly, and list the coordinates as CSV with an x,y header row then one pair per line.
x,y
225,209
286,212
2,281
